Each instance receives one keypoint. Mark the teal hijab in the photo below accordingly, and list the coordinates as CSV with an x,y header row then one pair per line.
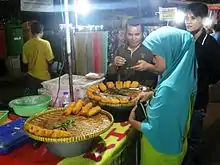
x,y
168,109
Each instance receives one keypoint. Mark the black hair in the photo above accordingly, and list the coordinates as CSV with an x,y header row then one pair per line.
x,y
36,28
134,22
216,27
198,9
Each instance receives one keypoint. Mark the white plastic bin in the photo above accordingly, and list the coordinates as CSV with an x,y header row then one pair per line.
x,y
80,83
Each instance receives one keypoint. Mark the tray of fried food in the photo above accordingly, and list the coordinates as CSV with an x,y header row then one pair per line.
x,y
79,121
114,94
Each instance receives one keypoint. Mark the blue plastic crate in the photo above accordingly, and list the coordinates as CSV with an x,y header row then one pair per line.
x,y
12,136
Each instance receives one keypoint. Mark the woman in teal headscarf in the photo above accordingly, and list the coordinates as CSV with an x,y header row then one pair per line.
x,y
164,139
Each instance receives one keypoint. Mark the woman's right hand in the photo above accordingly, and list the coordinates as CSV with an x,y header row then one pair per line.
x,y
119,61
145,96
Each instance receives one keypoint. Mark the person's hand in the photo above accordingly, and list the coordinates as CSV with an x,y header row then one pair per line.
x,y
141,66
144,96
119,61
132,114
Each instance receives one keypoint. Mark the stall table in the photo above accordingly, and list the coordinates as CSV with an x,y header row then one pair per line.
x,y
115,147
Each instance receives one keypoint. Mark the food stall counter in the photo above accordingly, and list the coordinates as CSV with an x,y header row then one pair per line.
x,y
111,148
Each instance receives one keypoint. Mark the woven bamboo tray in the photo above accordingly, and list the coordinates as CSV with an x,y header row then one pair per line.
x,y
69,139
130,104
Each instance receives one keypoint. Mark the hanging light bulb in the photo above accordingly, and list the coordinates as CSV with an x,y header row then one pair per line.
x,y
179,16
83,7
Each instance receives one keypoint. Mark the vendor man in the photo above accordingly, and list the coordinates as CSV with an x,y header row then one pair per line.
x,y
38,56
130,55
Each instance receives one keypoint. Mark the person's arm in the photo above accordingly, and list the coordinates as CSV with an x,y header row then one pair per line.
x,y
143,97
154,44
135,124
112,67
158,65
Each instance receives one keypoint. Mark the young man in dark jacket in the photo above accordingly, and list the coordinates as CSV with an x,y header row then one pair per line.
x,y
208,57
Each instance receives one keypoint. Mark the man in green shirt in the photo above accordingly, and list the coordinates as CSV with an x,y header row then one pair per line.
x,y
129,61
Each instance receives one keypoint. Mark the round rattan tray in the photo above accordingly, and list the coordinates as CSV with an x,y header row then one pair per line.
x,y
118,111
69,139
121,106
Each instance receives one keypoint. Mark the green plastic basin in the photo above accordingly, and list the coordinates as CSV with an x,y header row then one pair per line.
x,y
30,105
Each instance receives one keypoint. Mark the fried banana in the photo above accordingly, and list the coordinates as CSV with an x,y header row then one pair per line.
x,y
69,109
94,111
124,100
48,132
60,134
97,98
110,84
78,107
114,101
119,84
85,109
104,100
102,87
134,84
126,84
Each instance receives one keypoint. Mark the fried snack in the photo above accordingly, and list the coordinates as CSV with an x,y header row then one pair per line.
x,y
48,132
93,88
110,84
78,107
36,130
89,93
102,87
119,84
89,90
40,131
69,109
60,134
72,104
85,109
94,111
134,84
105,100
96,97
127,84
114,101
91,96
32,128
124,100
